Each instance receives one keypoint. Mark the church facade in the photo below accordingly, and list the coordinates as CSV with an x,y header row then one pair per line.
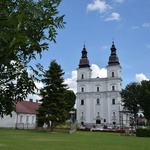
x,y
99,99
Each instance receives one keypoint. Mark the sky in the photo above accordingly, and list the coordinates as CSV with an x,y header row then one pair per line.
x,y
96,24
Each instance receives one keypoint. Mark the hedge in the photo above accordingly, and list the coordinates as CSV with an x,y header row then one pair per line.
x,y
143,132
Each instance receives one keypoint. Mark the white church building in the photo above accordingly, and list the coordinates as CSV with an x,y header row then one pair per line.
x,y
99,99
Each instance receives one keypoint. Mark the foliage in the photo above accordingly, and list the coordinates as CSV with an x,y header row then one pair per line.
x,y
143,132
130,97
145,98
26,26
53,107
70,98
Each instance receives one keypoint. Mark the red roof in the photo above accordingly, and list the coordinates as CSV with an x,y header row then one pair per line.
x,y
27,107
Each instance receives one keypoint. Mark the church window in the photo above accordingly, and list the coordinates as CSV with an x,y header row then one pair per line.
x,y
82,89
114,114
82,76
97,88
98,101
113,88
113,74
113,101
82,102
104,120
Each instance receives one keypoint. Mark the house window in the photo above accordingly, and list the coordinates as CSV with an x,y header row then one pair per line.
x,y
98,89
113,74
98,101
113,88
27,119
82,102
82,76
113,101
32,119
21,119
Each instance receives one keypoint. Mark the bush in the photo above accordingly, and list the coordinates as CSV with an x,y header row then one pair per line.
x,y
143,132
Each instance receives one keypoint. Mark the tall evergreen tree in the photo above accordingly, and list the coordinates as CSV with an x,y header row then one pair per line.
x,y
53,107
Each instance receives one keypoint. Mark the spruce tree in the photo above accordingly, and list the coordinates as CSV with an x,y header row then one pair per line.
x,y
53,106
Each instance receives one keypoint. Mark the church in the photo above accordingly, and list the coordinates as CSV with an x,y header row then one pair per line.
x,y
99,99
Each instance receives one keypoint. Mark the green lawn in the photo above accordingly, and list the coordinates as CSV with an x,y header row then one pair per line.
x,y
39,140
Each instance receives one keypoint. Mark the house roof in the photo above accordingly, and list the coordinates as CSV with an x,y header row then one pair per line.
x,y
27,107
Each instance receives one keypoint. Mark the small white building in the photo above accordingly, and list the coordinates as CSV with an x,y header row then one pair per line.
x,y
99,99
25,116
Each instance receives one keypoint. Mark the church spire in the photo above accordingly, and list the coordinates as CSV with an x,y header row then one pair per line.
x,y
113,58
84,62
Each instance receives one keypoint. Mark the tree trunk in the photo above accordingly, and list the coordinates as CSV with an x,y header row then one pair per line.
x,y
52,126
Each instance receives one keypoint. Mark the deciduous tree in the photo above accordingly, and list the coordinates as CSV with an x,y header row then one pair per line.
x,y
144,99
130,97
26,26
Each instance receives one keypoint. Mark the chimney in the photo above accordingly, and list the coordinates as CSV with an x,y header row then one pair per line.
x,y
31,100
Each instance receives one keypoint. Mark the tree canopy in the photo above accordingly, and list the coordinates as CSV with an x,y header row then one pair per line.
x,y
53,107
136,96
130,97
26,26
144,99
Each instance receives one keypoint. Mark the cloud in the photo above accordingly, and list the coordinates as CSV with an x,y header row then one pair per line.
x,y
96,72
98,5
35,96
134,27
71,82
140,77
119,1
146,25
113,16
105,47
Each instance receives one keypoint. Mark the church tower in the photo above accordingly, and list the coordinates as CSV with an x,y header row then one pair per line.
x,y
84,71
98,99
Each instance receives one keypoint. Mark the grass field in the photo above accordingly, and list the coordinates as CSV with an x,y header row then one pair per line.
x,y
40,140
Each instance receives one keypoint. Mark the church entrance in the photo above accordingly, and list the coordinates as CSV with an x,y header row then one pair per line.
x,y
98,121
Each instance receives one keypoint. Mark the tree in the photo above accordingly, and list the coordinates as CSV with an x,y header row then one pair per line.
x,y
70,99
26,26
145,98
130,97
53,107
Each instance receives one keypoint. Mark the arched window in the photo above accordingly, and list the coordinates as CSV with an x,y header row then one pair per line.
x,y
98,101
114,114
82,76
82,89
113,74
113,88
113,101
82,102
97,88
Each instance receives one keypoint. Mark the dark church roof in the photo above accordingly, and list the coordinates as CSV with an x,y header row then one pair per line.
x,y
84,62
113,58
27,107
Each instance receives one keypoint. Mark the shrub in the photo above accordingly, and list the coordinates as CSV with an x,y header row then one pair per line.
x,y
143,132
